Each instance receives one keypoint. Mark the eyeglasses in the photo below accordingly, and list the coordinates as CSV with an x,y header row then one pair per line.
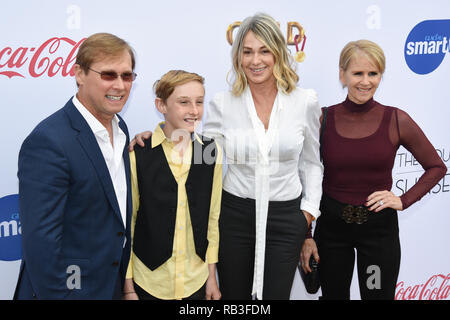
x,y
111,75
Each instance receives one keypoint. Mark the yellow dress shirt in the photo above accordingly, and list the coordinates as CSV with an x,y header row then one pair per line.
x,y
185,272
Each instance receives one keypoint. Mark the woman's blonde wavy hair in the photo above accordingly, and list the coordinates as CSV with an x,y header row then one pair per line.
x,y
266,29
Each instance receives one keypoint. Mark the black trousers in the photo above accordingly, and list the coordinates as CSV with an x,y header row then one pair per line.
x,y
286,229
377,247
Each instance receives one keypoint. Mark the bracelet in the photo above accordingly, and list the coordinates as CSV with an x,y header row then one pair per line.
x,y
129,292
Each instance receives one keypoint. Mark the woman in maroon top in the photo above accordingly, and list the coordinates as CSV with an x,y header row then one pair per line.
x,y
359,145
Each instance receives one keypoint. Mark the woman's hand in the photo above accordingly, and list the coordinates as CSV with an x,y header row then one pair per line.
x,y
308,216
139,139
309,248
380,200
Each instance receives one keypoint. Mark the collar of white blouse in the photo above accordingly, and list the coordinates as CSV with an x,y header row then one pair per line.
x,y
264,137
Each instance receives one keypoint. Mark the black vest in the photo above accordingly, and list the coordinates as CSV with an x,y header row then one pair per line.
x,y
158,190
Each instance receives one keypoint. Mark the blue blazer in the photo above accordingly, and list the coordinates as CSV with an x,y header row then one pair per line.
x,y
72,231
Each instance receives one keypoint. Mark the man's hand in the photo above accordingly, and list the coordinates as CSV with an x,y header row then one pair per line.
x,y
139,139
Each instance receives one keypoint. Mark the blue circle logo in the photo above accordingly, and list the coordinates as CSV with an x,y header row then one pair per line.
x,y
10,229
426,45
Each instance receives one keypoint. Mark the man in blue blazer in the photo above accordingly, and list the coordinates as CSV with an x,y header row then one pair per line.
x,y
74,184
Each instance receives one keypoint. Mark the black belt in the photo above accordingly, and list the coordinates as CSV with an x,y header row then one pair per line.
x,y
354,214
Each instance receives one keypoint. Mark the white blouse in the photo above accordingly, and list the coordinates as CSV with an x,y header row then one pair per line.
x,y
274,165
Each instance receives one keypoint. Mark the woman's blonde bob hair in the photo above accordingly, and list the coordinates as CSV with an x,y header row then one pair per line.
x,y
372,50
266,29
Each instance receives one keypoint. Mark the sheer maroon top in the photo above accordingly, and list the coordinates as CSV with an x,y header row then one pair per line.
x,y
359,145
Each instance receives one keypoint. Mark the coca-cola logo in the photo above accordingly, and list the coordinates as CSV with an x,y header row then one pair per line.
x,y
56,55
436,288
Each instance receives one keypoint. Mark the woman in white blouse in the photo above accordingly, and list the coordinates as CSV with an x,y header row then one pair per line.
x,y
269,130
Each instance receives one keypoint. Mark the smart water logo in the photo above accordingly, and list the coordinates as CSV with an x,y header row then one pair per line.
x,y
426,45
10,229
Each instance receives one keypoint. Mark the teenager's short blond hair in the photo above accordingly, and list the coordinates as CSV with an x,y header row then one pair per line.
x,y
100,46
267,31
165,86
372,50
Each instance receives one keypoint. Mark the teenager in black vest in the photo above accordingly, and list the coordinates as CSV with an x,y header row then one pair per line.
x,y
177,187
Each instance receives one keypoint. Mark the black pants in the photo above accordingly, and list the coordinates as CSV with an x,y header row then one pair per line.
x,y
144,295
377,247
286,229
